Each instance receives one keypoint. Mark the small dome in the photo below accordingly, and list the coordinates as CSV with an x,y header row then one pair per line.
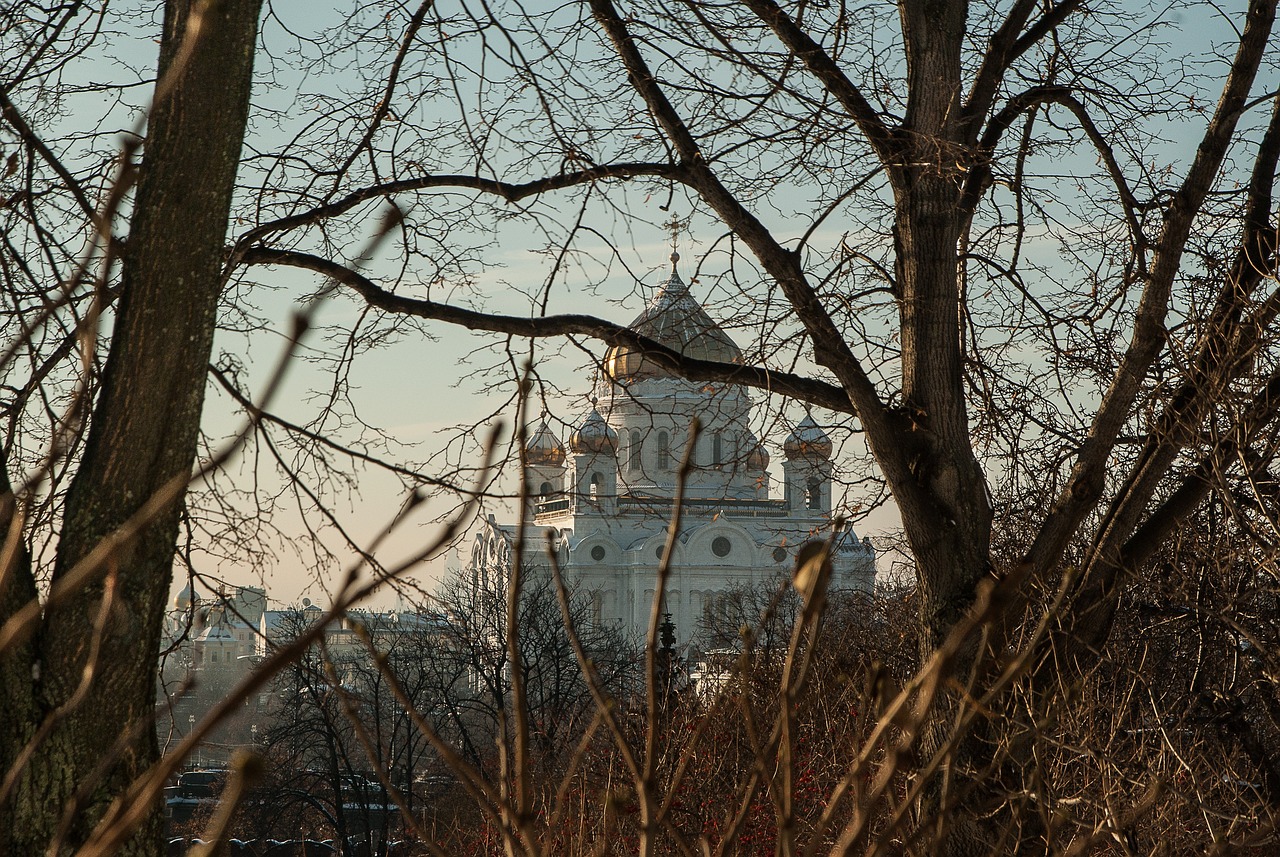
x,y
544,448
807,441
758,457
185,598
594,436
679,322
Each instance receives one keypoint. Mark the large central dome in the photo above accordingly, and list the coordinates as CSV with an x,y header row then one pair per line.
x,y
679,322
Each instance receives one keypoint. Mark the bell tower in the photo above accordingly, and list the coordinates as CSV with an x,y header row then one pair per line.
x,y
545,456
595,463
807,468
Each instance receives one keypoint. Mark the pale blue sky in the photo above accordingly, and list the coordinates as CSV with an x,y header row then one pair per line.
x,y
411,388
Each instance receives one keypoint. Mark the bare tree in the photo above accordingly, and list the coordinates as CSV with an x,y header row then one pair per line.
x,y
79,657
957,227
327,771
1047,421
474,659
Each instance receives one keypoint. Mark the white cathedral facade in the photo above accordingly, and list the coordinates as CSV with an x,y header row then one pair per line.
x,y
608,492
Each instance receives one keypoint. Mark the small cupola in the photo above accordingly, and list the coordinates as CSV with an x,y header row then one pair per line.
x,y
544,449
186,598
594,436
544,464
807,441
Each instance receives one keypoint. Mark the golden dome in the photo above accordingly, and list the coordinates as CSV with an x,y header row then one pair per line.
x,y
594,436
185,598
758,457
679,322
807,441
544,448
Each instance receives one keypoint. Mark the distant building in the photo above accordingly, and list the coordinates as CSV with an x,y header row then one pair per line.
x,y
211,643
207,649
212,637
608,492
344,636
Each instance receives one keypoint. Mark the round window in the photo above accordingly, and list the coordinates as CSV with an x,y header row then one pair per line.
x,y
597,553
658,551
721,546
779,554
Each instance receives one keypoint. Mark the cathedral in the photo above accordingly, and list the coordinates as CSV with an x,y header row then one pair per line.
x,y
608,492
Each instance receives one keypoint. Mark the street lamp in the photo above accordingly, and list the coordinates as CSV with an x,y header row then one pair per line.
x,y
191,728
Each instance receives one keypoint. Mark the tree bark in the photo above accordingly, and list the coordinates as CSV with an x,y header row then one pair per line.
x,y
142,437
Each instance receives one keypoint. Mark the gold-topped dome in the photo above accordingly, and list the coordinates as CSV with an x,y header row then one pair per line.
x,y
807,441
758,457
594,436
185,598
544,448
675,319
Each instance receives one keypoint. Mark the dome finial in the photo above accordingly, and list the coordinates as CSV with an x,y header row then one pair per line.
x,y
674,225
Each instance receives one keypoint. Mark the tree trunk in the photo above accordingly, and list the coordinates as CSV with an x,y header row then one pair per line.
x,y
143,434
947,517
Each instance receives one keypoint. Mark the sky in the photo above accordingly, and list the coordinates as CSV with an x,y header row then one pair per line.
x,y
415,385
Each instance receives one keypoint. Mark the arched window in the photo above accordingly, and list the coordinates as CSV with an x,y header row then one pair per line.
x,y
717,448
544,489
814,494
664,451
595,485
633,460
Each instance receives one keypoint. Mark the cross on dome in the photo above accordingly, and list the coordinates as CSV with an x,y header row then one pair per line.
x,y
674,225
